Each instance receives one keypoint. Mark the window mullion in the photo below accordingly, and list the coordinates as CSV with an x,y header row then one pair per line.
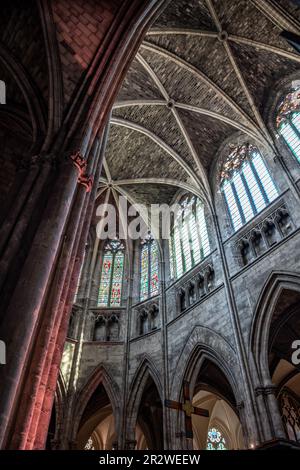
x,y
294,127
237,200
261,186
149,269
201,247
111,278
173,254
190,240
248,192
180,229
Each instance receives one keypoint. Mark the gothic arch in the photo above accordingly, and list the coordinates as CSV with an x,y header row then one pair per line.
x,y
217,423
277,282
59,403
202,344
56,98
146,370
100,375
29,89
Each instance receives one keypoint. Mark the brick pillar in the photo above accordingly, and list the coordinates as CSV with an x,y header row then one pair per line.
x,y
35,322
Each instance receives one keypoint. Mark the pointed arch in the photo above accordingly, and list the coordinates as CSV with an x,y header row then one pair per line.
x,y
100,375
204,343
277,282
146,370
59,403
29,89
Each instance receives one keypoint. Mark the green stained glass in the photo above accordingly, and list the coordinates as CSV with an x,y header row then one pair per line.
x,y
106,271
154,267
144,272
117,278
215,440
149,269
110,290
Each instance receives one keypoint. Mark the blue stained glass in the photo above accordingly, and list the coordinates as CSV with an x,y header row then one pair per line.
x,y
110,290
243,197
215,440
254,188
144,285
248,187
232,206
288,121
154,269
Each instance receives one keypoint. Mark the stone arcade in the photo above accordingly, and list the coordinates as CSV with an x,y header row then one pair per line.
x,y
188,102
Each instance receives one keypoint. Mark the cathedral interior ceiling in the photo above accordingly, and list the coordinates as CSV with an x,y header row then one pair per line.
x,y
188,91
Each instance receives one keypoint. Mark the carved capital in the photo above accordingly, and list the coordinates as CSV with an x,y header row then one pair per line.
x,y
264,391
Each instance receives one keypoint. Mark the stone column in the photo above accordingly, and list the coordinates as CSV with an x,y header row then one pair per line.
x,y
23,313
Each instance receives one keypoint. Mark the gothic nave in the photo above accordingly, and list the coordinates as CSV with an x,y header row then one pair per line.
x,y
136,340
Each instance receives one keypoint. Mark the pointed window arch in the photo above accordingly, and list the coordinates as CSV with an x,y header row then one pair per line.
x,y
215,440
246,184
149,268
288,121
189,242
111,282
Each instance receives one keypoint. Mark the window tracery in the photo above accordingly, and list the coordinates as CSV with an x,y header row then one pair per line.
x,y
288,121
246,184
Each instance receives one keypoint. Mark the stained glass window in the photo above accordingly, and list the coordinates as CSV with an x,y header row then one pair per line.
x,y
110,291
215,440
246,184
189,242
290,413
149,267
89,445
288,121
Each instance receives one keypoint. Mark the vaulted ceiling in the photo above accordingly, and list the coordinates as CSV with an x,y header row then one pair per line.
x,y
203,74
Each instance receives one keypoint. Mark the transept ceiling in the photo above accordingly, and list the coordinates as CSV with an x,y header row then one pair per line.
x,y
202,75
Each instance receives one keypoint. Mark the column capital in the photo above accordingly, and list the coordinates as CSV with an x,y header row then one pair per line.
x,y
266,390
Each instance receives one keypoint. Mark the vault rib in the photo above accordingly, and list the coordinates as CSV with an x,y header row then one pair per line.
x,y
277,15
231,37
180,125
200,75
153,75
107,171
239,75
160,181
161,143
198,110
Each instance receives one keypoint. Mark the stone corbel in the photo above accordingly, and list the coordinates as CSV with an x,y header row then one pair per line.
x,y
83,177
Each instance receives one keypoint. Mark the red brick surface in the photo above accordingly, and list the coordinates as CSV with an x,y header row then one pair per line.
x,y
81,26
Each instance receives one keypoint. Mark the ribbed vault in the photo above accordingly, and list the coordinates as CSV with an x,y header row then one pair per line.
x,y
203,74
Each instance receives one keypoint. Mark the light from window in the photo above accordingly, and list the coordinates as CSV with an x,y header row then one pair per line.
x,y
110,291
189,242
246,184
